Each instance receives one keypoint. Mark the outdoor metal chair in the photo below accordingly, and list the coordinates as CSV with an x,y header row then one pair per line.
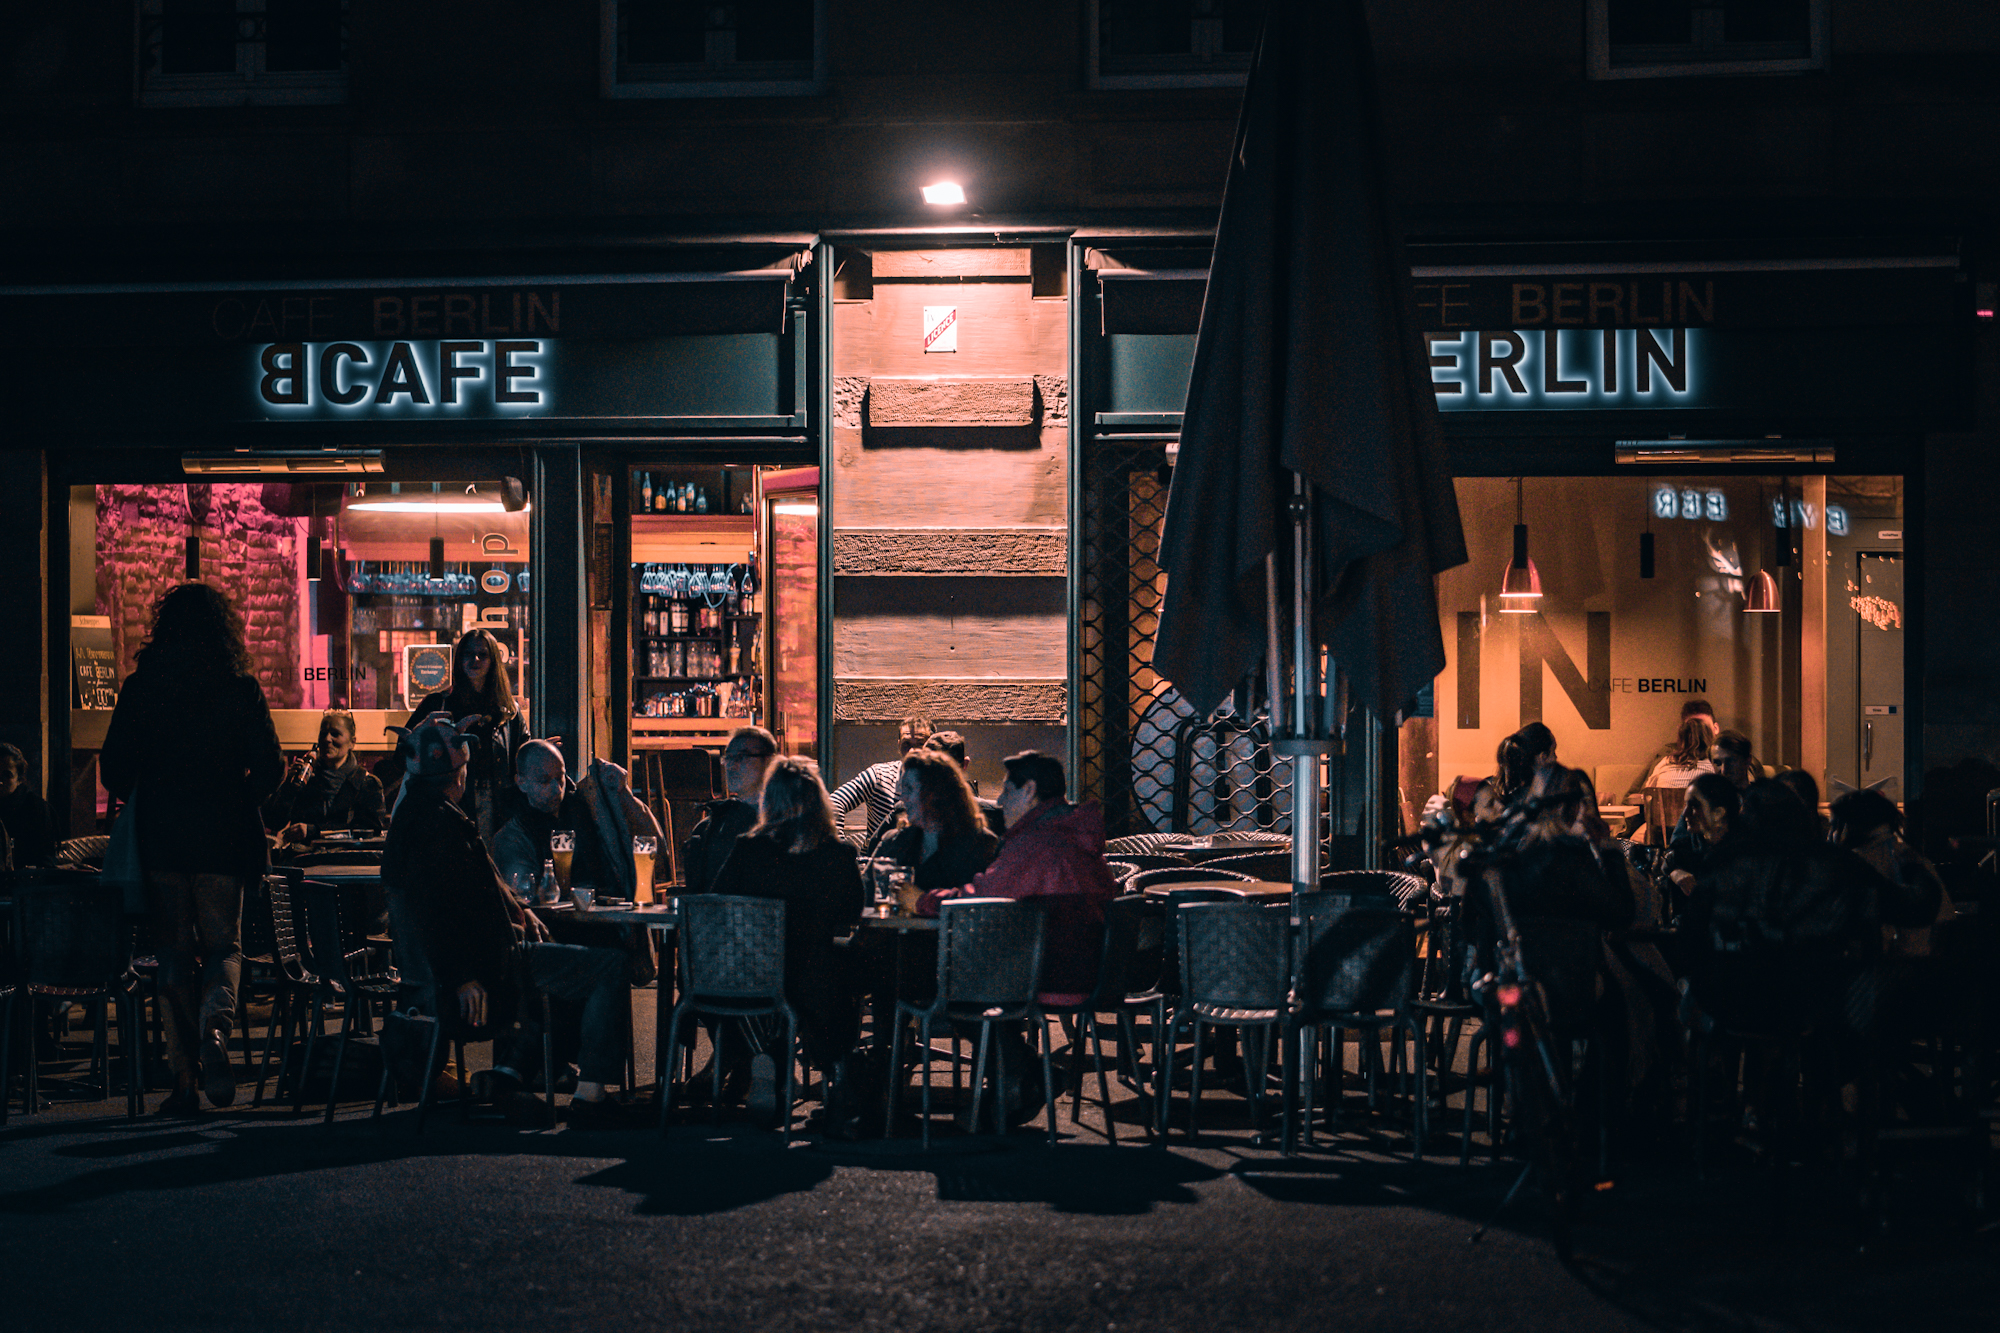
x,y
72,941
339,975
732,965
989,969
1235,972
1357,972
1165,991
1122,969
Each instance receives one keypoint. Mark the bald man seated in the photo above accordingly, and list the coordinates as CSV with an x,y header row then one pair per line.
x,y
602,812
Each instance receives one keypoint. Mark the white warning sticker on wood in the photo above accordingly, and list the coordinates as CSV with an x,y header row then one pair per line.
x,y
940,328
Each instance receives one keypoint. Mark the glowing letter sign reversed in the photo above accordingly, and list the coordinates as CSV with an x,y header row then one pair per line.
x,y
1556,369
404,378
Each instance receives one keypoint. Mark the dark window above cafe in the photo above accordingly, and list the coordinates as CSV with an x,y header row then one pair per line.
x,y
702,48
1645,39
1173,43
241,52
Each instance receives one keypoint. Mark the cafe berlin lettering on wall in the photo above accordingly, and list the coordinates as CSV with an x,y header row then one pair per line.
x,y
1565,344
506,375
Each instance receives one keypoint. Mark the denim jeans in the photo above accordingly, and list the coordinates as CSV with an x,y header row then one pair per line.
x,y
197,925
578,978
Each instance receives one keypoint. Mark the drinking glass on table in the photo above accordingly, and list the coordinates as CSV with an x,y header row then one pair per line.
x,y
903,889
644,848
562,850
584,897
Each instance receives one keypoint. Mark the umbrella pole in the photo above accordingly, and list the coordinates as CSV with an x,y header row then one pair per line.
x,y
1301,744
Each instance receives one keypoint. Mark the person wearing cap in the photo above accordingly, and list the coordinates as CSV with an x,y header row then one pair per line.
x,y
485,953
1053,852
875,786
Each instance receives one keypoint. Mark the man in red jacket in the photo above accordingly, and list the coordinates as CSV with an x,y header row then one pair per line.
x,y
1053,851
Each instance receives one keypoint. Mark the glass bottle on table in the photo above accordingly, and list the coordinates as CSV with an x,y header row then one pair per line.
x,y
548,891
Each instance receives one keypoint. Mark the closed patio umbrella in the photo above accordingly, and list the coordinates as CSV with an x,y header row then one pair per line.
x,y
1310,443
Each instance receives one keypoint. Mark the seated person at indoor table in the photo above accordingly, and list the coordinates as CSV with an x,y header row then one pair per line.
x,y
326,787
946,841
1691,710
1689,759
486,953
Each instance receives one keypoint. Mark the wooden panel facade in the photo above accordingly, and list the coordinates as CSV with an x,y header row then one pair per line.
x,y
992,552
950,496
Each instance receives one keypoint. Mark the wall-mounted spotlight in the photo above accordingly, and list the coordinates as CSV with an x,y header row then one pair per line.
x,y
944,192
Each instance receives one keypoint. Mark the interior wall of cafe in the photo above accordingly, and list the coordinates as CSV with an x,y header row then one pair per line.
x,y
1659,642
949,494
246,551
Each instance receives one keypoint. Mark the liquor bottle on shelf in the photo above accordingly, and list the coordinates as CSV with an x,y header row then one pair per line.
x,y
701,501
645,491
687,497
659,498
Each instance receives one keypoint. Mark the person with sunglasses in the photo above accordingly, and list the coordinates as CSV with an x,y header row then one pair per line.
x,y
481,704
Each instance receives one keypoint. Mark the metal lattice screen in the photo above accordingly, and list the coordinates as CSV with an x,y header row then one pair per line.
x,y
1155,765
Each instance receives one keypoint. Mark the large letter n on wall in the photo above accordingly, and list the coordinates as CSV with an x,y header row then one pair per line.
x,y
1589,692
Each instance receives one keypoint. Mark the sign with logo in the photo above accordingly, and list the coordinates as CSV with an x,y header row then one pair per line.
x,y
426,670
940,328
1737,351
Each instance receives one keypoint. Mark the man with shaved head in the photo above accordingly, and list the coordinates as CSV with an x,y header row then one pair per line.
x,y
549,801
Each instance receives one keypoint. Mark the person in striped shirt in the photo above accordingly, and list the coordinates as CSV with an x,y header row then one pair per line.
x,y
875,785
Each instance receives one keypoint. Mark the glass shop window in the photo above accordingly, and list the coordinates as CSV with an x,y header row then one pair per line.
x,y
353,595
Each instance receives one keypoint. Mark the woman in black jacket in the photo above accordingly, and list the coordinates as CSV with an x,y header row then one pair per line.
x,y
481,701
192,741
947,841
794,855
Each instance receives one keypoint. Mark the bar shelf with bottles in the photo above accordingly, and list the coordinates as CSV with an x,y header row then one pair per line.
x,y
697,663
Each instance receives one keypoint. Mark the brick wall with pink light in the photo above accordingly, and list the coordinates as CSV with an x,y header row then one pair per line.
x,y
247,551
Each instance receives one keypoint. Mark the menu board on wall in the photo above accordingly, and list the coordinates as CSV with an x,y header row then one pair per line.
x,y
94,662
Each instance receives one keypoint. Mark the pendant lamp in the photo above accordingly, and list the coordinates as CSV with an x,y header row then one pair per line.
x,y
1763,595
1760,594
1521,585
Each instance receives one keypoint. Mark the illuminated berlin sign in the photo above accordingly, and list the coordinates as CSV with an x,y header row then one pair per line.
x,y
1544,369
405,379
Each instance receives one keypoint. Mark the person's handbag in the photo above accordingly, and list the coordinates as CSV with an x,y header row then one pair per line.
x,y
121,858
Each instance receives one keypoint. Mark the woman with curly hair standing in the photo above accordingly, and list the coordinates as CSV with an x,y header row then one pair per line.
x,y
192,740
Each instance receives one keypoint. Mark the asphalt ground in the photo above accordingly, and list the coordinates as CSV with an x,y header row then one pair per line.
x,y
254,1219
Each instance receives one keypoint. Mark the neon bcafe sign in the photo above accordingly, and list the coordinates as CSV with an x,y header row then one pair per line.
x,y
508,377
1556,369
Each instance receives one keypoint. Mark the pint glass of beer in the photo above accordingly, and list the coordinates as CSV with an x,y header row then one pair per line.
x,y
562,850
644,847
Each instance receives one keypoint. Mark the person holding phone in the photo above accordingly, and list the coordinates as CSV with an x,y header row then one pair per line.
x,y
326,787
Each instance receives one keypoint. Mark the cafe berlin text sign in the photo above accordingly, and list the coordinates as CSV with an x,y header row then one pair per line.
x,y
1543,369
449,377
